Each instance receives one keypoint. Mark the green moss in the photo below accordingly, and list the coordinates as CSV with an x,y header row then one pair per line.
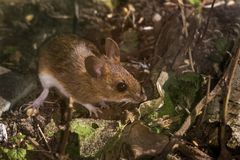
x,y
29,146
168,107
90,136
9,50
113,145
17,139
195,3
50,129
83,130
111,4
183,89
222,45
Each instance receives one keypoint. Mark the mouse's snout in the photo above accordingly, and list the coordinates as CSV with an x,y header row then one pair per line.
x,y
140,97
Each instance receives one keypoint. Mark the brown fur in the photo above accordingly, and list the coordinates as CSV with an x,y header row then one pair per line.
x,y
63,57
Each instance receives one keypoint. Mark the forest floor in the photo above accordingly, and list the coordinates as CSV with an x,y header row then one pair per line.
x,y
181,52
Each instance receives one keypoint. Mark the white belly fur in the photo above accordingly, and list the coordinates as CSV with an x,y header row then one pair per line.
x,y
49,81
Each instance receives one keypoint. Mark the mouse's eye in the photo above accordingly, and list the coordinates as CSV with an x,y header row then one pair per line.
x,y
121,86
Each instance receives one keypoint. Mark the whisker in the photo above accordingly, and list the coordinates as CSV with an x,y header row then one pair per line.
x,y
124,104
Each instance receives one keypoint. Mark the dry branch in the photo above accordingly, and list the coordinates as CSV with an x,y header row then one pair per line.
x,y
228,83
66,131
193,152
200,38
44,138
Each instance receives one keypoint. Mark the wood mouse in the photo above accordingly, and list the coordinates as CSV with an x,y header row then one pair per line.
x,y
71,65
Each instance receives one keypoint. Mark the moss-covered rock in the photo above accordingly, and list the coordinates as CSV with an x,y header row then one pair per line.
x,y
93,134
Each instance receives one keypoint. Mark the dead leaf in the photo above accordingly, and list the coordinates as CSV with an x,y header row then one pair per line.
x,y
154,104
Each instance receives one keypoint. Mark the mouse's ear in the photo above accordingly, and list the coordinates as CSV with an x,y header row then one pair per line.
x,y
94,66
112,50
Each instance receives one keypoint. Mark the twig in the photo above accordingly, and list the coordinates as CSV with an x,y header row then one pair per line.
x,y
160,33
133,20
207,99
75,17
190,59
232,70
200,38
48,154
55,16
184,49
44,137
125,19
185,29
192,152
217,4
67,130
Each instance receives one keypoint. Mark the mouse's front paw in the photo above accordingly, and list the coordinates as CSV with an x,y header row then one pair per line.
x,y
92,109
95,111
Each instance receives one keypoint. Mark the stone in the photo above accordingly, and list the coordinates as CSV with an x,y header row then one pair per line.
x,y
4,105
93,134
14,87
136,141
3,133
4,70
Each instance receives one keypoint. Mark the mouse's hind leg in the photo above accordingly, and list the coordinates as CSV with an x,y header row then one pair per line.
x,y
33,107
39,101
41,98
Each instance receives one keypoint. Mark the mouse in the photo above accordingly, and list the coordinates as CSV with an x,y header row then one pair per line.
x,y
77,69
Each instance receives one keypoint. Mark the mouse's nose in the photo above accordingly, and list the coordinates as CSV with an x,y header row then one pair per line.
x,y
140,97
